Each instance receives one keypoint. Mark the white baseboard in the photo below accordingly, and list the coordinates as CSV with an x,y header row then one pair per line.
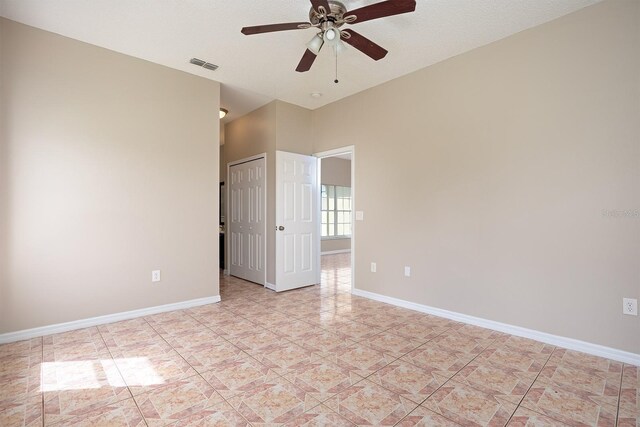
x,y
339,251
226,272
569,343
270,286
101,320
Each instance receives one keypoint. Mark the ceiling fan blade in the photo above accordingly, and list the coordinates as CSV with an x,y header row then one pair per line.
x,y
380,10
364,45
324,3
306,62
258,29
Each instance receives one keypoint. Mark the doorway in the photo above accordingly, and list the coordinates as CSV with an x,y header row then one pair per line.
x,y
337,197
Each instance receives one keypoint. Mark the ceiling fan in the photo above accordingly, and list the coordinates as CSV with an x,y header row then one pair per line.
x,y
328,16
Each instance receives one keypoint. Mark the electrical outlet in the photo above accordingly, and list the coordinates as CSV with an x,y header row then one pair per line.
x,y
630,306
373,267
155,276
359,215
407,271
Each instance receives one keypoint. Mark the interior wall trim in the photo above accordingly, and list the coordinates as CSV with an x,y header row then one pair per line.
x,y
101,320
569,343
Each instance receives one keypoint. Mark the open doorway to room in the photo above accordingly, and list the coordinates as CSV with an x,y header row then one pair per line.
x,y
337,234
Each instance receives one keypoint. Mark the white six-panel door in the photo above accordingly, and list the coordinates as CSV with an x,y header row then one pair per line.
x,y
247,220
297,230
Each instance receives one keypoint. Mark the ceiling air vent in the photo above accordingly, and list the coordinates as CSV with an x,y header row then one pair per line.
x,y
204,64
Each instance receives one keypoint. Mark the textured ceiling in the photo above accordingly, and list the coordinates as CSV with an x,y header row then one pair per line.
x,y
257,69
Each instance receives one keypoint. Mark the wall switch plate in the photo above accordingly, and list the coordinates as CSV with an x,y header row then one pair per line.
x,y
373,267
630,306
407,271
155,276
359,215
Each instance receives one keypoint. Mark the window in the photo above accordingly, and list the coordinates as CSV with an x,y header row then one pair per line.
x,y
336,211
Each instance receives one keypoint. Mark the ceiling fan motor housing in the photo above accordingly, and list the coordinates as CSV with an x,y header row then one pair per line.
x,y
335,15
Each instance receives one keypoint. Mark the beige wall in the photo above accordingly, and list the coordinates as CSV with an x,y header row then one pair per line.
x,y
275,126
4,181
488,174
293,128
112,172
252,134
335,171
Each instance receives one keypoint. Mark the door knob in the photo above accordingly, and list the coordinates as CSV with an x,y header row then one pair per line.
x,y
281,228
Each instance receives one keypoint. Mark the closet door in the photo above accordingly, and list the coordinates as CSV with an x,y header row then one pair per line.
x,y
247,223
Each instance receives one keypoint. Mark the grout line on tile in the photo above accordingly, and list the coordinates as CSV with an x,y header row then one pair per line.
x,y
451,377
620,392
414,409
121,375
249,355
191,366
529,389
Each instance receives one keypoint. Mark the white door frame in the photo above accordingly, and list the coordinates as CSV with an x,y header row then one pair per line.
x,y
349,149
227,241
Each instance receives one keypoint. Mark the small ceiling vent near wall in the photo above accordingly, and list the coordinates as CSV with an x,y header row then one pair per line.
x,y
204,64
198,62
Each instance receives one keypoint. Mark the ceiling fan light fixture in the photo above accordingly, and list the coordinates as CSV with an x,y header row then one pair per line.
x,y
315,44
339,47
223,112
331,35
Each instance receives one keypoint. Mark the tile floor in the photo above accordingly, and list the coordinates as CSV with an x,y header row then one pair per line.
x,y
315,356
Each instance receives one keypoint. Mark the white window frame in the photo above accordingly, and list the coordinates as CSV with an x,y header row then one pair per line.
x,y
335,213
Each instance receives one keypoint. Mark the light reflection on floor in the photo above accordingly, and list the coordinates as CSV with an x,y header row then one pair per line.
x,y
84,374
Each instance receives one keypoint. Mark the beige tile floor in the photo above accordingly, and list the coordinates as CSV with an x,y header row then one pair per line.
x,y
315,356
